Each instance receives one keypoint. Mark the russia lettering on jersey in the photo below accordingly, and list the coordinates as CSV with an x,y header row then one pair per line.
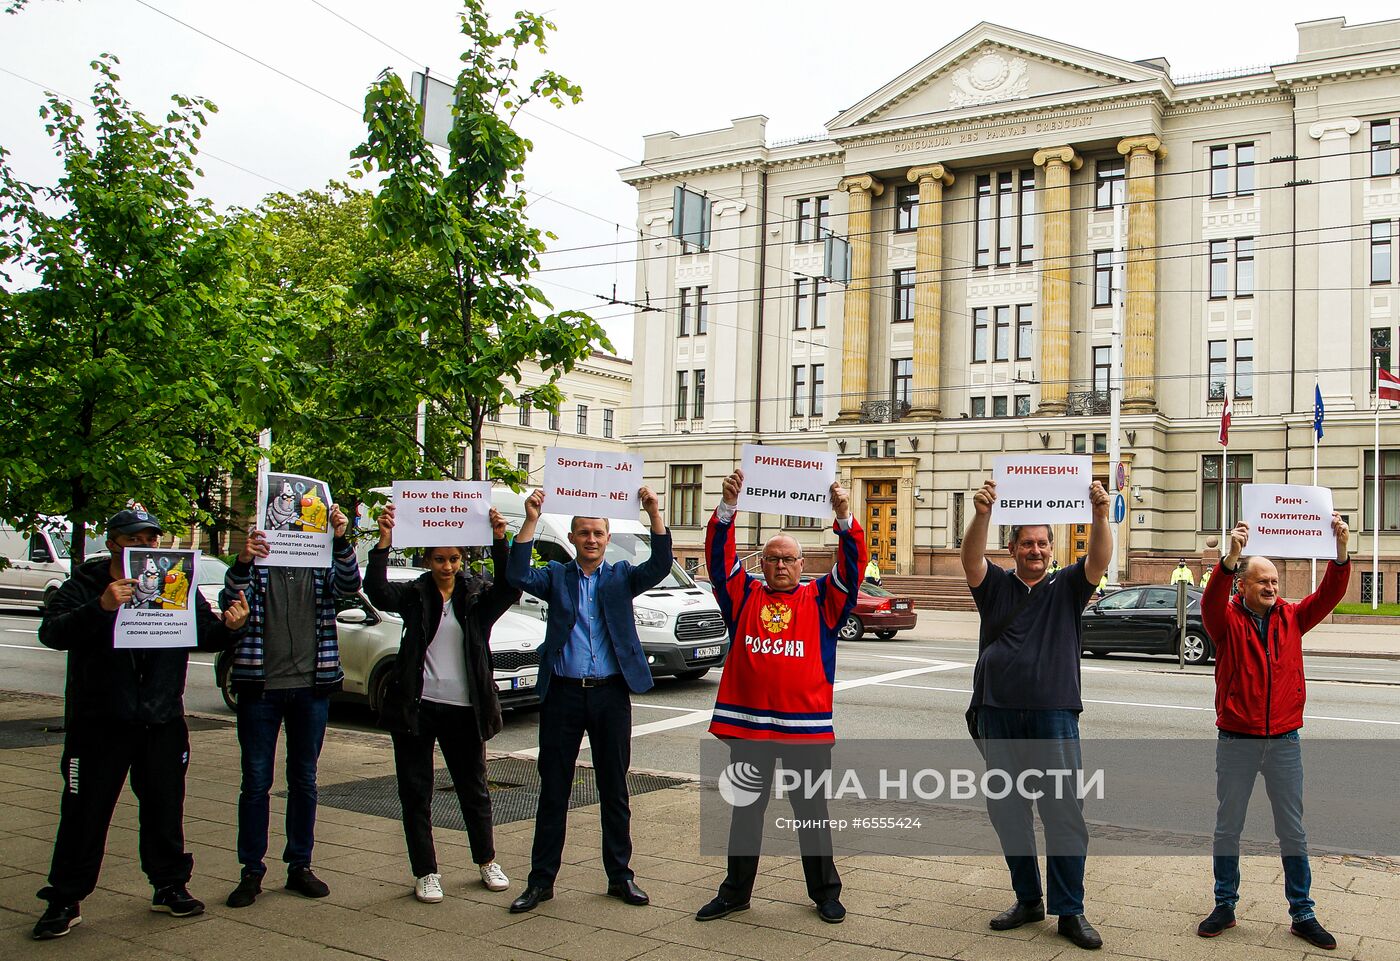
x,y
777,680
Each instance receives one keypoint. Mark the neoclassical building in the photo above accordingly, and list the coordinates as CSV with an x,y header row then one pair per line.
x,y
975,206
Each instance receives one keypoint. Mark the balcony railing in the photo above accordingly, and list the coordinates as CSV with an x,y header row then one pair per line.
x,y
1087,402
883,411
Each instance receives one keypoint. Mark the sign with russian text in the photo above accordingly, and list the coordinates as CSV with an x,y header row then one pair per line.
x,y
787,480
1042,489
1288,520
585,483
295,514
161,610
441,514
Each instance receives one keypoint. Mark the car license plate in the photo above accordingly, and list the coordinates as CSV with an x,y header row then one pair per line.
x,y
901,605
526,681
702,652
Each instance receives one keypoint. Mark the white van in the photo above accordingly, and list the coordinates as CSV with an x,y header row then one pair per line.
x,y
678,623
37,561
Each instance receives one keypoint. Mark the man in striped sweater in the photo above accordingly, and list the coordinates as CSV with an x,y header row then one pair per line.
x,y
777,686
285,668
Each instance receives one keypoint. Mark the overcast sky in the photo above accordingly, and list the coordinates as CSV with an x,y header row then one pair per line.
x,y
643,66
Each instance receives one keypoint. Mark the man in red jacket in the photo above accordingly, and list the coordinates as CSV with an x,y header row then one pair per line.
x,y
1259,695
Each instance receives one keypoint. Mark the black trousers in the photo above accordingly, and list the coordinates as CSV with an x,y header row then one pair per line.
x,y
455,731
747,822
95,765
605,715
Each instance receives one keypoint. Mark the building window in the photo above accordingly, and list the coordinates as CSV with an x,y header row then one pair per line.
x,y
1219,269
979,334
872,449
901,380
1390,490
682,394
685,495
1005,218
1026,221
982,226
1239,471
979,407
904,294
1081,443
690,219
1244,267
1380,353
802,523
1367,582
1383,148
491,454
554,421
1244,169
812,214
799,390
818,388
1103,278
1103,363
889,448
683,326
699,394
608,421
1244,369
702,311
802,303
1219,171
493,412
906,208
581,420
1380,252
998,406
1109,185
1001,342
819,304
1215,378
1023,405
1023,332
1100,443
524,416
522,462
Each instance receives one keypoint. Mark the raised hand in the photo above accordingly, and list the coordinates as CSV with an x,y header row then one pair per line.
x,y
386,526
1098,499
339,522
498,524
254,546
732,485
118,592
984,497
236,614
840,501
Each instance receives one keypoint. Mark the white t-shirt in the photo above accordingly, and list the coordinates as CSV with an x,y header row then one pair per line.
x,y
445,664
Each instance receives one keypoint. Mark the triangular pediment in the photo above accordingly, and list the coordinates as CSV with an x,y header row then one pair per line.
x,y
988,65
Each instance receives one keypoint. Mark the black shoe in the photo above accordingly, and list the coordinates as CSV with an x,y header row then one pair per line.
x,y
628,892
1022,912
303,882
832,912
1314,933
1221,919
175,901
57,920
531,899
719,908
249,887
1077,928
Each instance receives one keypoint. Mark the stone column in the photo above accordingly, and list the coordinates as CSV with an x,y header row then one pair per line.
x,y
855,327
1059,163
1140,300
928,291
1334,264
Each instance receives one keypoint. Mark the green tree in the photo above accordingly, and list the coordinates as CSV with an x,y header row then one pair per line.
x,y
140,361
459,333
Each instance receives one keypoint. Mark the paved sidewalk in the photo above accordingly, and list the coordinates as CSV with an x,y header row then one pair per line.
x,y
899,907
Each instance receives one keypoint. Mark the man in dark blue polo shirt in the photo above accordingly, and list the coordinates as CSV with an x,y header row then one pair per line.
x,y
1025,688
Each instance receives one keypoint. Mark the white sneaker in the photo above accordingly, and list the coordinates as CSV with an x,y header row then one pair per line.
x,y
493,877
428,888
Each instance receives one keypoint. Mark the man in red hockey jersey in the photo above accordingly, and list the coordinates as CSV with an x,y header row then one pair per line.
x,y
777,686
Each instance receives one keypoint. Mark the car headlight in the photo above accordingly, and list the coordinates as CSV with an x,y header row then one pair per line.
x,y
646,617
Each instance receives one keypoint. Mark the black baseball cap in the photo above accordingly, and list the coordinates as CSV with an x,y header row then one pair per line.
x,y
133,522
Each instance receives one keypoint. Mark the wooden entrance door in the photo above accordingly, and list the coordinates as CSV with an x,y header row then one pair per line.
x,y
881,523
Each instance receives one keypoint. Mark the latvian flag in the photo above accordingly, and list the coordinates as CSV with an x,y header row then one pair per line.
x,y
1387,385
1225,421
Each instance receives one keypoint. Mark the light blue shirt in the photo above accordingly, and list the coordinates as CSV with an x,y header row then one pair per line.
x,y
588,652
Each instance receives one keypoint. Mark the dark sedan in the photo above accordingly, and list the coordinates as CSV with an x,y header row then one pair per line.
x,y
878,612
1142,620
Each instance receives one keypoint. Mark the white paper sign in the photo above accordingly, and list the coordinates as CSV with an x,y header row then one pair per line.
x,y
441,513
1042,489
787,480
1288,520
295,514
161,612
584,483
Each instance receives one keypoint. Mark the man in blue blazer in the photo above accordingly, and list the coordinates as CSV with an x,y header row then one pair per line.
x,y
590,661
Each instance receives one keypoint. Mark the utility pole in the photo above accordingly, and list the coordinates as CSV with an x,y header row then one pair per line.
x,y
1115,384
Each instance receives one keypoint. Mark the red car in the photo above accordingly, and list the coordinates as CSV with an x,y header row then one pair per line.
x,y
878,612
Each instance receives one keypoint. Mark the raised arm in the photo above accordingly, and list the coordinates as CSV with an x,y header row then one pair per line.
x,y
1217,596
345,564
974,545
654,569
1100,536
384,594
1323,601
519,572
839,589
502,596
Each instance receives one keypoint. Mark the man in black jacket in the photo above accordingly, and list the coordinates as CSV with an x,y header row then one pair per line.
x,y
443,690
124,714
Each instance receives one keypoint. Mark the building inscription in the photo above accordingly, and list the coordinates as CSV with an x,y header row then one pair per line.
x,y
960,137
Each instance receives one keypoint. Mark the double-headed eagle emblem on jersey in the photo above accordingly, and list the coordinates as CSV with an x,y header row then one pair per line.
x,y
776,616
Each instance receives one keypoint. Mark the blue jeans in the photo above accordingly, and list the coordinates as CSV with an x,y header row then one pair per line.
x,y
1238,761
260,718
1005,733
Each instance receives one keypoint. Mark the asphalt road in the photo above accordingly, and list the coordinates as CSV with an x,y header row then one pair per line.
x,y
916,686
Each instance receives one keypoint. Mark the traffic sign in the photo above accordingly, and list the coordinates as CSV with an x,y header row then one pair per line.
x,y
1120,477
1120,509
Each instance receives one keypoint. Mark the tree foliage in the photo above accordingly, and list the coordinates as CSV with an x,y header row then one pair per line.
x,y
458,333
139,363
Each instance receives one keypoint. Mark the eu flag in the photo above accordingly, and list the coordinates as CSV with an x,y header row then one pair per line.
x,y
1318,410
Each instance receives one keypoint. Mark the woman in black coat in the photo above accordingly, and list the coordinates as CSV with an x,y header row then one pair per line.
x,y
443,690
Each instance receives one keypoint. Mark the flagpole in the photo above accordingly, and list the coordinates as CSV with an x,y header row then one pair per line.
x,y
1316,394
1376,510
